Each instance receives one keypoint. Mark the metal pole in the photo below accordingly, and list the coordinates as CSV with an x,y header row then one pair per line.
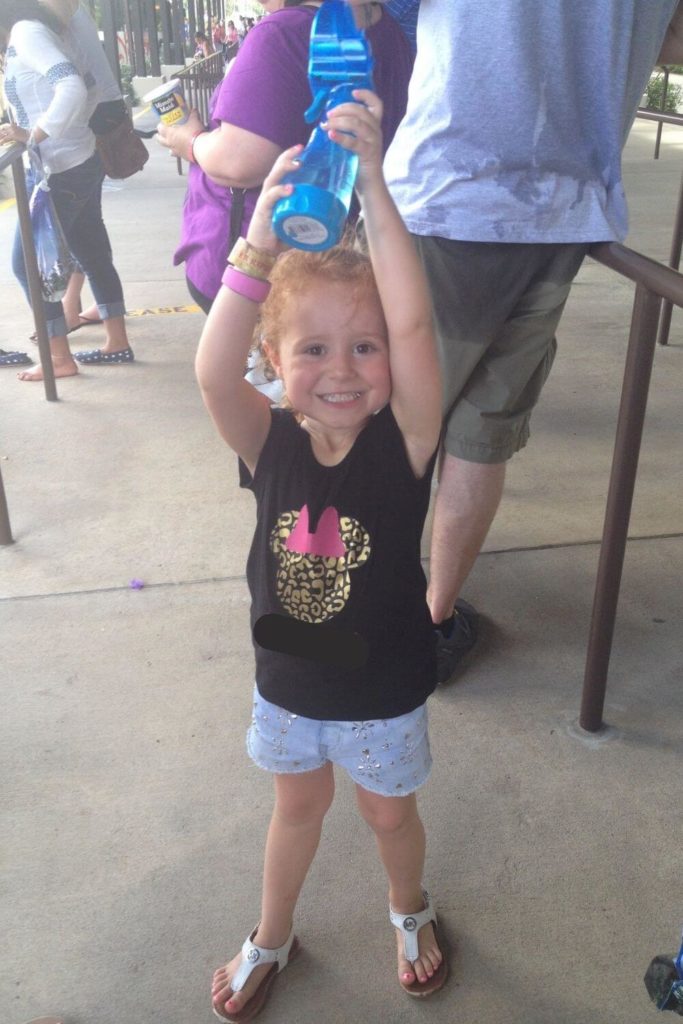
x,y
192,22
5,528
138,60
662,107
166,33
637,372
111,48
674,262
33,277
178,24
152,38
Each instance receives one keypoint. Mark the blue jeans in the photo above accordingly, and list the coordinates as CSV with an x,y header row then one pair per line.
x,y
77,197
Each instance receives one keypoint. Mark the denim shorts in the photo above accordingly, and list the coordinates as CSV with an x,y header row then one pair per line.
x,y
386,756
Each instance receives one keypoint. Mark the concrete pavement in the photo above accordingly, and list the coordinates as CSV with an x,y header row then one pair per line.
x,y
133,819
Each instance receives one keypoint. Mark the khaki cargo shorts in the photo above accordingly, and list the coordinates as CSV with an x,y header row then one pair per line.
x,y
496,309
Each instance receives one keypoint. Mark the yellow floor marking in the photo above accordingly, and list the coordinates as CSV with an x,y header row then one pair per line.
x,y
163,310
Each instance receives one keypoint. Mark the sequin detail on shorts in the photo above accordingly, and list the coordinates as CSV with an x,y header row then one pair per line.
x,y
386,756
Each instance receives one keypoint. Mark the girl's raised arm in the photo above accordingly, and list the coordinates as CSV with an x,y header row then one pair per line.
x,y
403,290
241,414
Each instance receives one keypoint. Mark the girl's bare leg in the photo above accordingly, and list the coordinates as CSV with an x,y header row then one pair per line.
x,y
400,840
301,802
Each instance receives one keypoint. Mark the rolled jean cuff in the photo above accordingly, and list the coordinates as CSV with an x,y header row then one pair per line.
x,y
56,328
108,310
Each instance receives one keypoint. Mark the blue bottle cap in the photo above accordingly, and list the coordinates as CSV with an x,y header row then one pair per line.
x,y
313,221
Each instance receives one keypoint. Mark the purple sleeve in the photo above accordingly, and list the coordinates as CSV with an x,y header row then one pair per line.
x,y
266,90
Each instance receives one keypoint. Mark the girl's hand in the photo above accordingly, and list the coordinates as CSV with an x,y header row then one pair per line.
x,y
357,126
260,233
178,137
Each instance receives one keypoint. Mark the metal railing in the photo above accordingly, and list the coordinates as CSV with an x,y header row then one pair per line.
x,y
654,282
677,239
200,79
12,157
660,115
662,118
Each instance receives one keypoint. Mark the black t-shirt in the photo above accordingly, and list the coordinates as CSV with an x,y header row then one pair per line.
x,y
334,571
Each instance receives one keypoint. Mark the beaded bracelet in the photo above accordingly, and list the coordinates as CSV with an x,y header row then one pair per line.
x,y
248,287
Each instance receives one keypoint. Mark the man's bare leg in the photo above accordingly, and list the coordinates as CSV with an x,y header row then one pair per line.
x,y
467,500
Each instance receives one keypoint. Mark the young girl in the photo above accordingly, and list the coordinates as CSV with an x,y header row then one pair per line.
x,y
343,636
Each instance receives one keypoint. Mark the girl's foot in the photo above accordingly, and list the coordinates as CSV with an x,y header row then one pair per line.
x,y
61,368
256,978
224,1001
426,966
422,969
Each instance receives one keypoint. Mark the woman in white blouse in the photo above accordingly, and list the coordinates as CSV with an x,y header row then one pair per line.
x,y
51,106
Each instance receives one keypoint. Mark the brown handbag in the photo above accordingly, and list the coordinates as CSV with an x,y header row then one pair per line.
x,y
122,152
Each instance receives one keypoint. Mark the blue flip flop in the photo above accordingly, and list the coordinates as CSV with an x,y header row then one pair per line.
x,y
14,358
96,356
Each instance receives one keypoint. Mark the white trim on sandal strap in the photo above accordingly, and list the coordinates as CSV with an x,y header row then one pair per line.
x,y
409,925
253,956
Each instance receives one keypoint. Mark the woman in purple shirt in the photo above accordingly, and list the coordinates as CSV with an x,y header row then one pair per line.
x,y
256,112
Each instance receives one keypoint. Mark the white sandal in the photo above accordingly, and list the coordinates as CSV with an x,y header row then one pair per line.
x,y
253,956
409,926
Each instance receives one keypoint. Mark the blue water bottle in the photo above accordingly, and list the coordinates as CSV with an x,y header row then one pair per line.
x,y
340,60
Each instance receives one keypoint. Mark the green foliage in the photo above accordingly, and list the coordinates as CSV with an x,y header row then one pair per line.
x,y
655,92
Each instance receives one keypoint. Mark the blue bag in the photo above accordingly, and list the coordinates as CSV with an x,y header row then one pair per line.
x,y
55,262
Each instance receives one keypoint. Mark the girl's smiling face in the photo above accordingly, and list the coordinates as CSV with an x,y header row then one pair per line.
x,y
333,356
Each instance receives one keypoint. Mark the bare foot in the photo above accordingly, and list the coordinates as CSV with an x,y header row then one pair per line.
x,y
62,368
91,315
428,961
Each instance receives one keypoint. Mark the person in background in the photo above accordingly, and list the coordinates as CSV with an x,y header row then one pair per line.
x,y
505,179
51,107
204,46
218,36
256,112
232,42
82,38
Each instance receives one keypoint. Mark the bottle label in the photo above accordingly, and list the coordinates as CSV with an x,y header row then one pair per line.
x,y
305,229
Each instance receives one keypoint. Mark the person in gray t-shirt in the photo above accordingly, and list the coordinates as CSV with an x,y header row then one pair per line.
x,y
506,167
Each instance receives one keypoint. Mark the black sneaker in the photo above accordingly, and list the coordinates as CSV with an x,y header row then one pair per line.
x,y
455,637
